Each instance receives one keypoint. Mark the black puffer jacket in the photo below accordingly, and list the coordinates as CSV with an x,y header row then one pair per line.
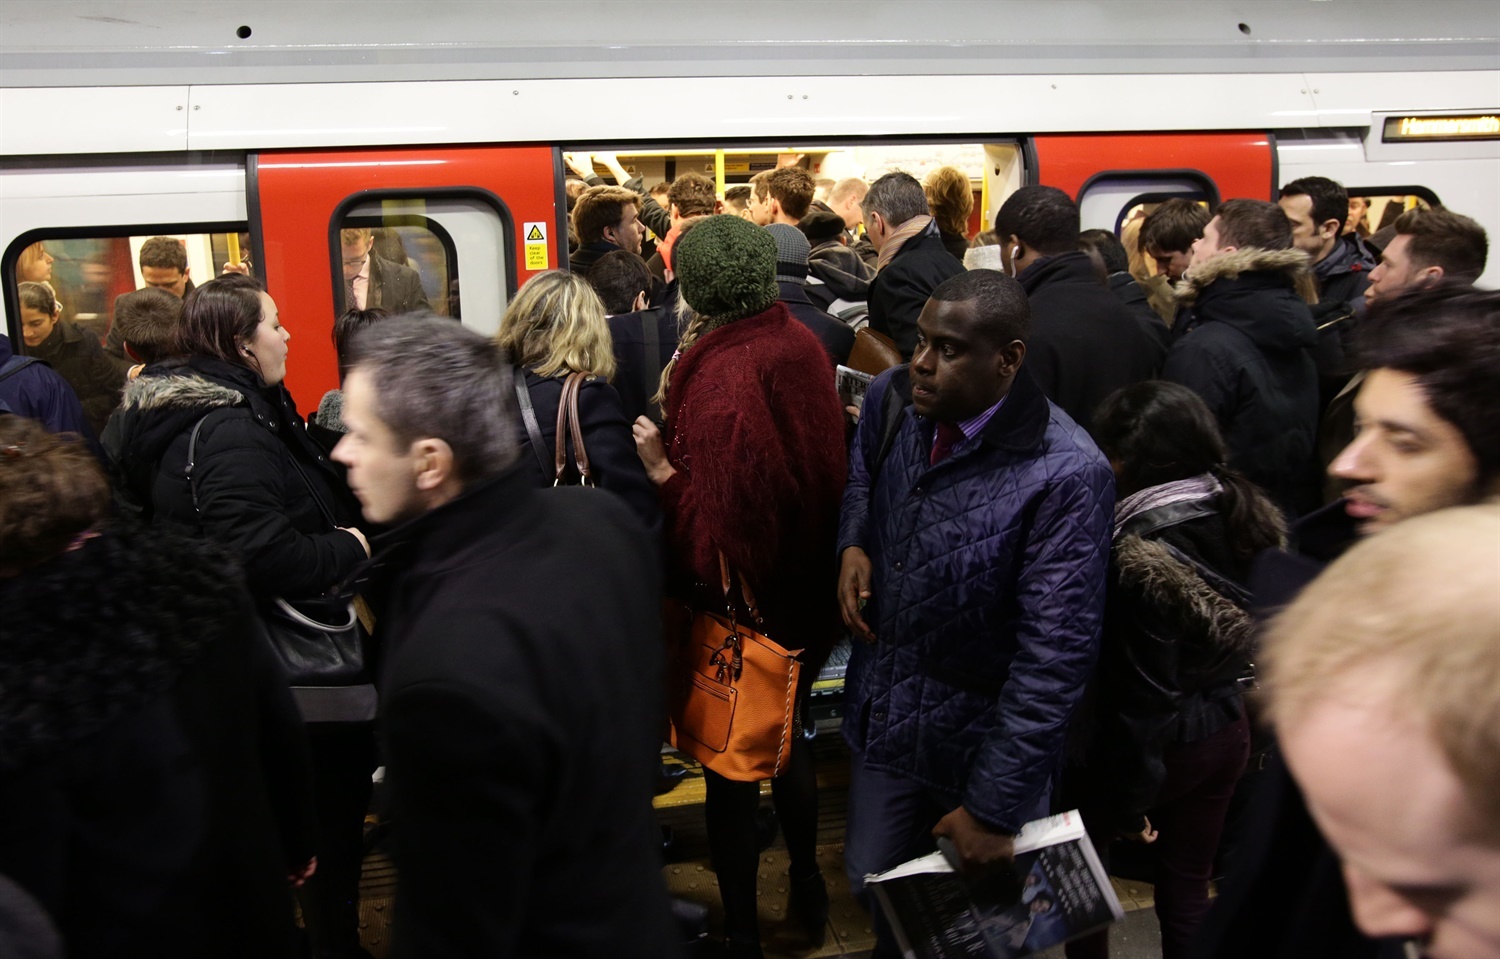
x,y
901,288
1177,635
1246,348
154,782
1084,343
836,275
252,456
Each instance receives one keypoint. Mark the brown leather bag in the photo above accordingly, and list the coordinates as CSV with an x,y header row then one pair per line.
x,y
873,353
568,425
735,703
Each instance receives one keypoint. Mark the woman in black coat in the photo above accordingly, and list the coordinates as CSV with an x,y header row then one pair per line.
x,y
155,793
1170,737
260,486
554,327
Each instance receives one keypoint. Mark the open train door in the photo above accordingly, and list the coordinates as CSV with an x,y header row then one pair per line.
x,y
456,230
1112,176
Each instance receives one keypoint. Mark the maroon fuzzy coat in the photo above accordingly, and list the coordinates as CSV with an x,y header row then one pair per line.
x,y
755,431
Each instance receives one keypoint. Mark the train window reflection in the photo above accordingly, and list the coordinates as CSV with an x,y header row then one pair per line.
x,y
400,264
66,286
1373,211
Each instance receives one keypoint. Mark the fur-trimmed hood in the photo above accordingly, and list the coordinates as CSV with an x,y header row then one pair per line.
x,y
159,406
1292,263
1263,294
103,629
1167,582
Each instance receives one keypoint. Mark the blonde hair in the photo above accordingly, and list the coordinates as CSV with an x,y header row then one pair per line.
x,y
29,257
556,325
951,199
1412,615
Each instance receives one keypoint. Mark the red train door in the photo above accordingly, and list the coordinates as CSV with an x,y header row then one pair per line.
x,y
1110,174
471,223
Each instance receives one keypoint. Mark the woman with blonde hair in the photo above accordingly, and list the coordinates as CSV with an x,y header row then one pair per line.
x,y
556,327
950,197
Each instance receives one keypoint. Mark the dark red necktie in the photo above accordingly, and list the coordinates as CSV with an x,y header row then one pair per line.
x,y
948,436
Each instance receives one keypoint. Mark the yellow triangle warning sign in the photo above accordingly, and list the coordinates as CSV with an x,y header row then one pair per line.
x,y
535,234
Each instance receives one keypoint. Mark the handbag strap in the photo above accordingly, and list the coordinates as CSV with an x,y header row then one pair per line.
x,y
528,416
568,425
745,592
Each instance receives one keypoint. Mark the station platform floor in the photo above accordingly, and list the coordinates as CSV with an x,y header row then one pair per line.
x,y
688,875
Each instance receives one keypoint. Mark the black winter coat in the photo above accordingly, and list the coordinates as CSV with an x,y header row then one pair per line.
x,y
607,438
836,277
837,338
77,356
1084,343
521,710
637,380
1246,349
154,782
1134,296
253,465
900,290
1177,637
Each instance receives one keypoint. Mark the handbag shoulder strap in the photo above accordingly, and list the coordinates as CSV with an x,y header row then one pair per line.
x,y
568,426
528,416
192,457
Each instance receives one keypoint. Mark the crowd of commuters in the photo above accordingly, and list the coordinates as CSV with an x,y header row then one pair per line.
x,y
1057,534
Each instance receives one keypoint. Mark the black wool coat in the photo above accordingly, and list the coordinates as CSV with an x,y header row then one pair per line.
x,y
636,380
521,711
607,438
77,356
251,474
1084,343
837,338
900,290
155,790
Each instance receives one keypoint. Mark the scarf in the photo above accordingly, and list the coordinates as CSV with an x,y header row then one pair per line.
x,y
1200,487
894,242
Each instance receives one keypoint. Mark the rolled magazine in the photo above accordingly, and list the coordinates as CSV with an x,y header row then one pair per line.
x,y
1059,890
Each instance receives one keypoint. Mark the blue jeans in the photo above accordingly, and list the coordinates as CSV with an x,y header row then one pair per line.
x,y
890,822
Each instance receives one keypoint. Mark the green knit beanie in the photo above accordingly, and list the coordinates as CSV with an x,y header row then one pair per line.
x,y
726,268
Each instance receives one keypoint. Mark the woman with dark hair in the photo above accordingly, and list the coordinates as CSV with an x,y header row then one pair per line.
x,y
155,795
752,468
326,426
1169,734
260,486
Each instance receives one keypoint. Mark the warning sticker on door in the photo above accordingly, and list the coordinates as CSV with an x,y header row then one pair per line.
x,y
535,237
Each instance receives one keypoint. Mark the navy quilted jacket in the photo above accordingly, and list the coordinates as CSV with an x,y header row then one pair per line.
x,y
987,598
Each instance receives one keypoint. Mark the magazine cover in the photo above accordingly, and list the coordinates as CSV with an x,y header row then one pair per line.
x,y
1059,890
852,385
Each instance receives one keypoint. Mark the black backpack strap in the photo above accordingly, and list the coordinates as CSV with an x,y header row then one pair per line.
x,y
892,402
192,456
15,365
650,329
533,428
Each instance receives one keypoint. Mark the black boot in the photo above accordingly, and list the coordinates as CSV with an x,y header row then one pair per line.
x,y
807,902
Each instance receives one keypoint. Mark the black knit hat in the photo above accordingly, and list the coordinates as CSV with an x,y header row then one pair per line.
x,y
726,268
821,227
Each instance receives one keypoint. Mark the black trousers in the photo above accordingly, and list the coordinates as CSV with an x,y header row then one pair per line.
x,y
343,757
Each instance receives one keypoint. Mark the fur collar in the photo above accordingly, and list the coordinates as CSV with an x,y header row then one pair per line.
x,y
183,391
1168,583
100,631
1293,263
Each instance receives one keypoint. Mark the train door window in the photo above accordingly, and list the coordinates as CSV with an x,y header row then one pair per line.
x,y
1108,201
1375,209
62,291
405,254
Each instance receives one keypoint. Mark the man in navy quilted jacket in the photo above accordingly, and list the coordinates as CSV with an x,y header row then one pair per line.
x,y
974,540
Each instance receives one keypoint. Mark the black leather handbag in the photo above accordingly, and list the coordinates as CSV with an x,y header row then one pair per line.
x,y
320,642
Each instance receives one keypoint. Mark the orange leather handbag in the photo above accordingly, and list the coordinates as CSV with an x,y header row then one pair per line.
x,y
736,697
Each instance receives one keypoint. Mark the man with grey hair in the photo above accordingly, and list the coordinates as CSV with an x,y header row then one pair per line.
x,y
521,699
911,260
